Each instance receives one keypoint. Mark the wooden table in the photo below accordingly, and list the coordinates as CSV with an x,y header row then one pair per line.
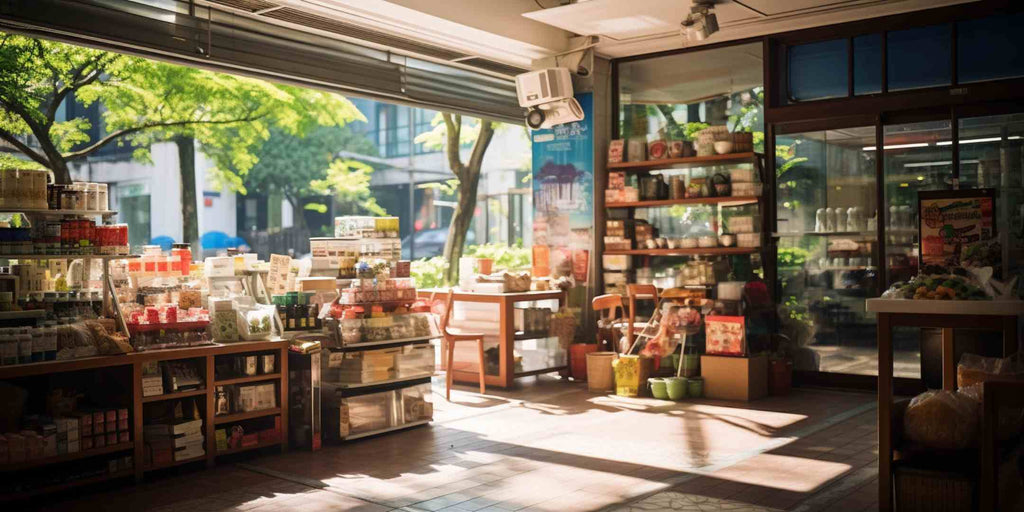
x,y
1000,315
506,331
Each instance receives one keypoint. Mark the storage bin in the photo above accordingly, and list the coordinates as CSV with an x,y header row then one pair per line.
x,y
600,378
748,240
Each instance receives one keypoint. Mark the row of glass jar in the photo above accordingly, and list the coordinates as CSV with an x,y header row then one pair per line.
x,y
80,196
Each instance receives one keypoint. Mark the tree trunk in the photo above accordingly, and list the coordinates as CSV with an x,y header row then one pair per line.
x,y
461,219
61,173
189,214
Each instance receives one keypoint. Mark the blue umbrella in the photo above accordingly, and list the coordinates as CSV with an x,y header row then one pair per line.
x,y
163,241
215,240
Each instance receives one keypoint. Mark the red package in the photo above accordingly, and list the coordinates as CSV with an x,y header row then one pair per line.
x,y
726,335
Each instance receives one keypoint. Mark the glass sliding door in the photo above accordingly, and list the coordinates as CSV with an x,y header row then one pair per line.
x,y
827,248
918,157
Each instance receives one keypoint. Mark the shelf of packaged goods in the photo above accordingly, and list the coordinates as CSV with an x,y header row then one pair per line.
x,y
175,463
707,251
177,326
397,380
723,201
104,257
385,430
173,396
71,484
19,466
368,344
240,449
22,315
40,212
242,416
247,379
692,161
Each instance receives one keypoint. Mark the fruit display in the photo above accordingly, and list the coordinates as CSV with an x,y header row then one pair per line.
x,y
937,287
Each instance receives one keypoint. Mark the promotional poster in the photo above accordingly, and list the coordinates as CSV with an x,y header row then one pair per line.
x,y
955,225
563,195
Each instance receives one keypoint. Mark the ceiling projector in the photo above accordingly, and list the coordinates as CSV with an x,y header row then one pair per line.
x,y
700,23
547,94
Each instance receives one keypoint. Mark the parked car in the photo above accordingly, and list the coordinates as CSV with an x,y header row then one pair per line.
x,y
430,242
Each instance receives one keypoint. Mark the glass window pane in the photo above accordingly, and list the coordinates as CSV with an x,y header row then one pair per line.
x,y
867,64
990,48
919,57
818,70
674,96
992,156
827,250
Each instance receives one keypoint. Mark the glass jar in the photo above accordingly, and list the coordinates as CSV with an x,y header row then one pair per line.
x,y
103,200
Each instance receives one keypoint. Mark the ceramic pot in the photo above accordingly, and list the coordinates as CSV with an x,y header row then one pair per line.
x,y
694,387
578,359
691,365
658,388
676,388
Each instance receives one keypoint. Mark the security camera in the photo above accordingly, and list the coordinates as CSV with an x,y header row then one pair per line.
x,y
547,94
700,23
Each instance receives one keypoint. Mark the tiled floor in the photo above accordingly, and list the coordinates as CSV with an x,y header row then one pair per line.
x,y
552,446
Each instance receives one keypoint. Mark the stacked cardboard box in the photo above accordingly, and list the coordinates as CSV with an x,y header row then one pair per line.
x,y
174,441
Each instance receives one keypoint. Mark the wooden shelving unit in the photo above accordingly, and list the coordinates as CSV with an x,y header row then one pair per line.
x,y
20,466
134,363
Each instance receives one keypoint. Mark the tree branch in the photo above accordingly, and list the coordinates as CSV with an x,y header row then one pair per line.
x,y
146,126
483,140
77,82
453,134
24,148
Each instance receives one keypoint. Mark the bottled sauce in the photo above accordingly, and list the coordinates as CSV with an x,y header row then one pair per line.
x,y
301,317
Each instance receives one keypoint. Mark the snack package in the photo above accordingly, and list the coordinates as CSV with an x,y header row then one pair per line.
x,y
942,420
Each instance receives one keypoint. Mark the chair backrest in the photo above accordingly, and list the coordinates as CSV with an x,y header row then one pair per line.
x,y
642,291
447,311
607,304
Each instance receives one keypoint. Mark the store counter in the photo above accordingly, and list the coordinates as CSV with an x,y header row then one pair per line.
x,y
504,332
947,315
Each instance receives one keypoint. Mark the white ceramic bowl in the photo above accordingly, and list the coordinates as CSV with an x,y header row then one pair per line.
x,y
723,147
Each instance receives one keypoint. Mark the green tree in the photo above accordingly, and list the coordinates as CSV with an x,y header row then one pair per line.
x,y
450,133
144,102
298,167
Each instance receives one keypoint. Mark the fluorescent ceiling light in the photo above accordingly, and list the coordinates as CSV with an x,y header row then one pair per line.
x,y
976,141
899,146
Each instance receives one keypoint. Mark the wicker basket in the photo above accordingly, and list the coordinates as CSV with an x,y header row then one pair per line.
x,y
565,329
924,490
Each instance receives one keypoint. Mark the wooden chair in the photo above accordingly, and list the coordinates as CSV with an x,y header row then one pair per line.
x,y
606,305
638,292
451,337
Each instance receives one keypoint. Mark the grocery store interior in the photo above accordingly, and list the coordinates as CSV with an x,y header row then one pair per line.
x,y
543,255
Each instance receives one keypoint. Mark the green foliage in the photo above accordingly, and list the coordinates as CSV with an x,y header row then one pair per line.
x,y
787,153
792,257
506,257
146,101
349,182
10,161
428,272
690,130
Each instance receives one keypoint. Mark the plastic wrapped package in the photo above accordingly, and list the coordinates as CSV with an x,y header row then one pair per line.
x,y
416,404
942,420
973,370
255,323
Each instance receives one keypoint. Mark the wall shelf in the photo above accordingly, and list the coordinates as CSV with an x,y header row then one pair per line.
x,y
692,161
700,251
723,201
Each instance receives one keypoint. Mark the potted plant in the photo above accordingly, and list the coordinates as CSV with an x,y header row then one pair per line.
x,y
780,366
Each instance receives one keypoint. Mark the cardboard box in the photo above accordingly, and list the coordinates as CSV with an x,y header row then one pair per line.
x,y
735,378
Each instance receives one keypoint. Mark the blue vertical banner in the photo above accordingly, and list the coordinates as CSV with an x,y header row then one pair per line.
x,y
563,196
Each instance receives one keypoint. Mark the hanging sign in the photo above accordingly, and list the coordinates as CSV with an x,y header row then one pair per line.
x,y
563,195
